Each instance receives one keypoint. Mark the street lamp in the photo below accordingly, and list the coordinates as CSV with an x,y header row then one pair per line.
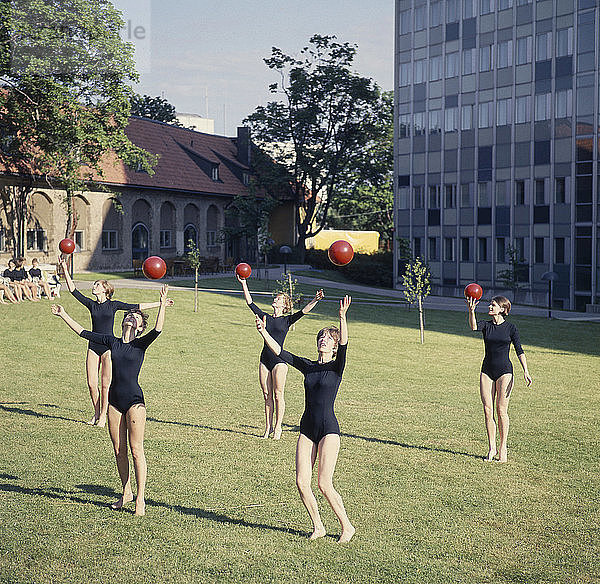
x,y
549,277
285,251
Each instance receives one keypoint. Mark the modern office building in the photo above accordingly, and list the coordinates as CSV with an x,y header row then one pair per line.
x,y
496,143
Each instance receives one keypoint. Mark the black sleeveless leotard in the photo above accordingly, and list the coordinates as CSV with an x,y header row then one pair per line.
x,y
278,328
497,339
35,273
103,317
127,359
321,384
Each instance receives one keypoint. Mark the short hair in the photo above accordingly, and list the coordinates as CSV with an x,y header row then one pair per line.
x,y
287,301
34,260
109,289
503,303
144,319
334,331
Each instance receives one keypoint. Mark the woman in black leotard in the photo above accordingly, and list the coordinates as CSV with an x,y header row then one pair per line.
x,y
319,428
496,379
272,371
97,363
127,410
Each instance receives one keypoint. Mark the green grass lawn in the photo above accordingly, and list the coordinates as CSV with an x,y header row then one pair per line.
x,y
222,504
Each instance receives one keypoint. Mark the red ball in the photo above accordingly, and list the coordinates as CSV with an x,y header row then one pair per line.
x,y
340,253
154,267
67,245
473,290
243,270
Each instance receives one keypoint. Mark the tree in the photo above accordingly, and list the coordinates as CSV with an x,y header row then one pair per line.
x,y
154,108
318,128
64,100
365,196
417,287
195,260
516,272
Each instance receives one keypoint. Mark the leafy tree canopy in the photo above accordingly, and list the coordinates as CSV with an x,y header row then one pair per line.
x,y
155,108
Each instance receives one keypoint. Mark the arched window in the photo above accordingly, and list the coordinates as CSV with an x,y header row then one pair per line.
x,y
167,225
139,241
190,234
212,226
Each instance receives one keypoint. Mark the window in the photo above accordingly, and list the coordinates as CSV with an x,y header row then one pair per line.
x,y
165,238
522,114
417,197
419,123
190,237
35,239
483,249
466,118
109,240
486,6
564,42
434,196
433,251
405,21
420,17
486,57
466,195
448,249
559,250
561,195
404,74
451,119
435,121
504,56
403,197
504,4
78,236
469,58
417,247
543,46
469,8
465,249
564,103
215,172
452,64
452,11
502,193
520,192
523,55
435,14
542,106
404,126
435,68
211,238
486,114
539,250
540,192
503,112
520,247
483,194
500,249
245,178
450,196
420,71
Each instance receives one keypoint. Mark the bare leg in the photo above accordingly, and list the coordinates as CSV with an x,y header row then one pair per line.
x,y
487,391
46,289
329,448
92,365
504,387
117,428
136,424
278,376
306,454
18,292
264,377
105,376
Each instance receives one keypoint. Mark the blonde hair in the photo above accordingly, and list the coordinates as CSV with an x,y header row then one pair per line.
x,y
334,332
109,289
503,303
287,301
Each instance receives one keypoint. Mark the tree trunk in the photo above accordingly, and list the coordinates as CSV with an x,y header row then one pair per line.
x,y
196,291
421,326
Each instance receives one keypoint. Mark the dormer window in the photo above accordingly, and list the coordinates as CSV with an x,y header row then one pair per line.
x,y
245,178
215,172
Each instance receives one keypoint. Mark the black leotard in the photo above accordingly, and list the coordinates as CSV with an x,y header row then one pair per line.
x,y
277,327
35,273
9,274
19,275
103,317
127,358
497,339
321,384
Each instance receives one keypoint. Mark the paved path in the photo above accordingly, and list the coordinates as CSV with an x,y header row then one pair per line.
x,y
434,302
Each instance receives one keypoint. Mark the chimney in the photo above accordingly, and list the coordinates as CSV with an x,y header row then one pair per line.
x,y
243,145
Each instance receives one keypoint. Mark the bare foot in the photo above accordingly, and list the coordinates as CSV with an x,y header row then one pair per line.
x,y
140,507
491,455
93,421
2,301
101,422
118,505
277,433
267,432
317,533
503,455
347,534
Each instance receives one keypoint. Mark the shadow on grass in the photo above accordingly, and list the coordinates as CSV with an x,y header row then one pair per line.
x,y
200,426
28,412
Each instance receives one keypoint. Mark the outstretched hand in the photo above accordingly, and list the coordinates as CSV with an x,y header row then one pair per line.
x,y
240,280
57,310
261,323
471,303
344,305
319,295
163,295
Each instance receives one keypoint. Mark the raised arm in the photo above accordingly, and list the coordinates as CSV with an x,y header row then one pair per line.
x,y
148,305
318,296
58,310
247,295
261,325
68,280
160,317
471,305
344,305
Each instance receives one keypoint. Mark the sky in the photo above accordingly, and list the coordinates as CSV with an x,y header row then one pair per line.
x,y
206,57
